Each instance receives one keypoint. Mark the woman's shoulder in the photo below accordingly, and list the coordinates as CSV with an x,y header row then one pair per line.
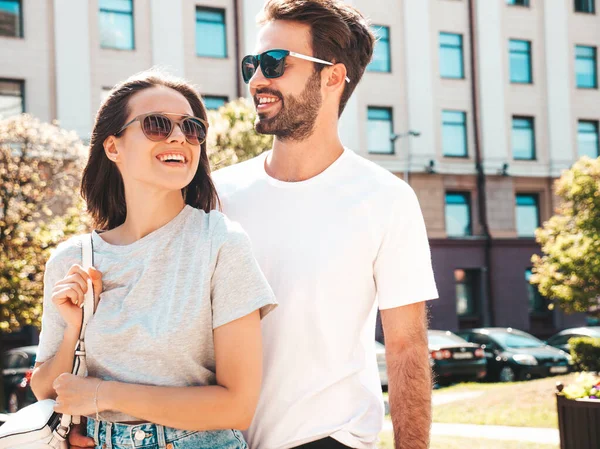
x,y
221,230
66,253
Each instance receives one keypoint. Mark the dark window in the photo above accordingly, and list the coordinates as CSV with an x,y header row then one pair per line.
x,y
537,303
523,138
587,139
213,102
12,98
382,59
527,214
587,6
211,36
451,56
379,130
520,61
518,2
560,340
11,18
454,133
116,24
585,67
458,214
484,340
467,291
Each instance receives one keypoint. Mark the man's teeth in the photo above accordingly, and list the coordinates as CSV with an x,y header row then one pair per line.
x,y
171,158
267,100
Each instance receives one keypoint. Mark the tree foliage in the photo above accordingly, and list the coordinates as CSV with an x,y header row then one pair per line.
x,y
569,270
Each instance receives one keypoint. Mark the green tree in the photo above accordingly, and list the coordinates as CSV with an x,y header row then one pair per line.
x,y
231,136
569,269
40,206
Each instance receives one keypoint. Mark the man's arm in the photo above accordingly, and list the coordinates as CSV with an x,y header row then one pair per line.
x,y
409,374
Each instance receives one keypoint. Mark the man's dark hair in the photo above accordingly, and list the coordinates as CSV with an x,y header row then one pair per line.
x,y
339,32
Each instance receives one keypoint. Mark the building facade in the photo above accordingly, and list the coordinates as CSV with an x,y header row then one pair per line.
x,y
478,104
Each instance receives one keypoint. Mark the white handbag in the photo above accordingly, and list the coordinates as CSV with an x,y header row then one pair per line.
x,y
38,426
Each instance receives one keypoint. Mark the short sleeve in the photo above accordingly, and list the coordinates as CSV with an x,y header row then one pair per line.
x,y
53,324
238,286
403,270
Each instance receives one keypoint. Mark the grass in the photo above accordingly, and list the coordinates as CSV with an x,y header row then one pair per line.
x,y
446,442
522,404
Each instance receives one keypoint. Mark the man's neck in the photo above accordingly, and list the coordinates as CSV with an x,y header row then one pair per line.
x,y
294,161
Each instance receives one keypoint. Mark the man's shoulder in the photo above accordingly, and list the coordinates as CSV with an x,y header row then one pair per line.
x,y
230,179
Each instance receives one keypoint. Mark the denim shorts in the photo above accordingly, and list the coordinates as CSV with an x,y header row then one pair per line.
x,y
109,435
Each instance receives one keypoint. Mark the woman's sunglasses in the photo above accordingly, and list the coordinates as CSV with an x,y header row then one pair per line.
x,y
272,63
158,126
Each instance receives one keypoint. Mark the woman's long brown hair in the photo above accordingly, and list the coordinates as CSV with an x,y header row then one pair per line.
x,y
102,185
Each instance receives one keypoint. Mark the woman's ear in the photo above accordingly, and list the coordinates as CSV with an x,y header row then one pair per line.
x,y
110,148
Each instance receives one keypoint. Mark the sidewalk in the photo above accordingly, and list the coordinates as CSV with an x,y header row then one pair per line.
x,y
505,433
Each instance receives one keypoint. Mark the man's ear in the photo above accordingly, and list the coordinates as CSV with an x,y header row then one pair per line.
x,y
110,148
336,76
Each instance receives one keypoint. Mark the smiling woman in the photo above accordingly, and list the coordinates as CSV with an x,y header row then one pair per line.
x,y
174,347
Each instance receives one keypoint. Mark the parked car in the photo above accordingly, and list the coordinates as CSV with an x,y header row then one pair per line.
x,y
380,351
561,340
16,374
454,359
516,355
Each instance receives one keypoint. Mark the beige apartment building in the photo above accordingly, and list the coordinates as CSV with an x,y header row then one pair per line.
x,y
478,104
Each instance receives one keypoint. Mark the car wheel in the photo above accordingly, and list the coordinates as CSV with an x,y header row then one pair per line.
x,y
13,403
507,374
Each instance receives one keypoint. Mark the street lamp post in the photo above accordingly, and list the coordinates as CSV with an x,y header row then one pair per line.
x,y
409,133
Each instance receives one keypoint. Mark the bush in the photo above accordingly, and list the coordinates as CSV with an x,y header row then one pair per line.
x,y
586,353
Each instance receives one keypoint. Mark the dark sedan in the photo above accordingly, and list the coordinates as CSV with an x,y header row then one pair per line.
x,y
561,340
454,359
516,355
16,375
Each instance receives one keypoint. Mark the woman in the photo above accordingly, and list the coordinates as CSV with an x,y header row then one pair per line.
x,y
174,348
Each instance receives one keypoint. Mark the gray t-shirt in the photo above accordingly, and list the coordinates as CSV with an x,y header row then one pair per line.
x,y
162,297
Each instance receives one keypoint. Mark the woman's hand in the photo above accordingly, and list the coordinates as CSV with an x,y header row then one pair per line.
x,y
68,293
76,395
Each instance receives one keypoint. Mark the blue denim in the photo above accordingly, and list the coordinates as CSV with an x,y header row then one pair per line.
x,y
109,435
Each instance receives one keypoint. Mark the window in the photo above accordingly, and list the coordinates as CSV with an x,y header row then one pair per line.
x,y
585,67
523,138
585,6
467,291
116,24
211,38
588,143
382,59
214,102
454,133
537,303
520,61
527,215
451,56
458,214
518,2
12,98
11,19
380,130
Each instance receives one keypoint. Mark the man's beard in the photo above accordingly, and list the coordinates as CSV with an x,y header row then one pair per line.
x,y
297,116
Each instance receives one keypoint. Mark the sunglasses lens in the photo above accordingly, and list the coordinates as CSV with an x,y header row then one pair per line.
x,y
272,63
157,127
194,131
249,65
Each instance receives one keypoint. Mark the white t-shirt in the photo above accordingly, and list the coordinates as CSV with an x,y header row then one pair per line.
x,y
332,248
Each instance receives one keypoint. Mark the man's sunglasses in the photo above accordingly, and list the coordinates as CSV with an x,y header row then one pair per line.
x,y
158,126
272,63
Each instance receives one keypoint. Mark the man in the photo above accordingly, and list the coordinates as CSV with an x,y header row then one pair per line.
x,y
335,235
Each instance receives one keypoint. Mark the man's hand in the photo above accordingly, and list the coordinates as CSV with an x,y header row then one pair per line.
x,y
77,438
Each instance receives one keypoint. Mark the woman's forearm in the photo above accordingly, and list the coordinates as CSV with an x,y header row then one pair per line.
x,y
44,375
192,408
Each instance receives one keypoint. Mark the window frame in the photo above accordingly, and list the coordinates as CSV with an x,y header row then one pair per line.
x,y
225,99
593,9
467,196
595,65
391,121
389,49
466,134
22,89
596,125
221,11
462,54
530,119
132,16
532,289
529,54
525,4
21,33
472,281
536,198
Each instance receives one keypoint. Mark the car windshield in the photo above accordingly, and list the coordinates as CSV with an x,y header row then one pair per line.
x,y
511,340
436,339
